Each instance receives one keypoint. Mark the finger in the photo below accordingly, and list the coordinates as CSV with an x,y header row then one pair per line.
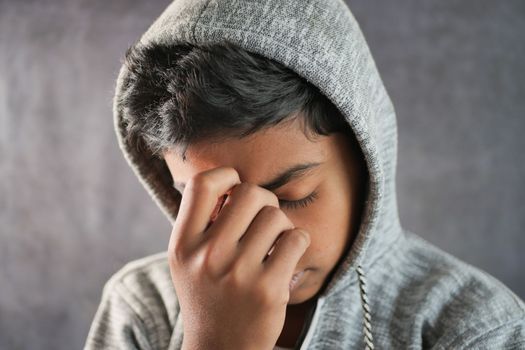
x,y
199,200
262,234
243,204
287,252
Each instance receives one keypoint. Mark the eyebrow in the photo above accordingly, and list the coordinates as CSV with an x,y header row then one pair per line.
x,y
295,172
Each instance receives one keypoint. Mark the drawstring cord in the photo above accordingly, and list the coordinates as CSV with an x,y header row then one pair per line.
x,y
367,319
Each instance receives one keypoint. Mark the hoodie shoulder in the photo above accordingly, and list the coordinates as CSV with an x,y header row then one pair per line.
x,y
448,302
138,309
142,274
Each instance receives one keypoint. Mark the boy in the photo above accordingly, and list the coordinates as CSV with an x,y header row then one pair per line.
x,y
264,133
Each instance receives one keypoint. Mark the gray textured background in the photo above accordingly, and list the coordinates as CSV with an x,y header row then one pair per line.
x,y
72,212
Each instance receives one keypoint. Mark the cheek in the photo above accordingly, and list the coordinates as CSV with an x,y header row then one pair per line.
x,y
327,222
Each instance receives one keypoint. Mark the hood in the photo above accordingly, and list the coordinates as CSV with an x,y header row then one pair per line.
x,y
321,41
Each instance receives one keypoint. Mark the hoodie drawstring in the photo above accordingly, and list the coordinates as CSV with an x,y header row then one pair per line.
x,y
367,319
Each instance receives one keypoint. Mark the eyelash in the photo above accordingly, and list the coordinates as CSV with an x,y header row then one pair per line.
x,y
300,203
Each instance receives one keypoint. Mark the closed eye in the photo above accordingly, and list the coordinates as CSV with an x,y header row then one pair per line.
x,y
299,203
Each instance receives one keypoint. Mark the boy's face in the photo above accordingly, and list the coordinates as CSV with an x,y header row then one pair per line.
x,y
332,219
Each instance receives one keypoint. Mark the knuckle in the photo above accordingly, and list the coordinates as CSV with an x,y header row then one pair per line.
x,y
271,211
232,281
269,196
204,261
254,193
177,255
246,190
297,236
272,197
199,182
235,278
275,214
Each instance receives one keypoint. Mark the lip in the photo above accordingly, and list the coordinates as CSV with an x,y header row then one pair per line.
x,y
295,279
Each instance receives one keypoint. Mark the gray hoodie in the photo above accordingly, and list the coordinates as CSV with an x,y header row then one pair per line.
x,y
393,290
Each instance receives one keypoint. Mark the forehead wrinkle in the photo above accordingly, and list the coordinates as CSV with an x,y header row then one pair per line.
x,y
285,176
256,150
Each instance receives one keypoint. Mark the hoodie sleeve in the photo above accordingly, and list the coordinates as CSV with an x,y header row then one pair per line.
x,y
484,314
509,335
116,324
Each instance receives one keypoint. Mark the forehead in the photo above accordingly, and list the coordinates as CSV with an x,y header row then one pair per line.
x,y
256,157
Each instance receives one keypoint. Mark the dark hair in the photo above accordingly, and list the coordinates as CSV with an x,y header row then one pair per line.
x,y
177,94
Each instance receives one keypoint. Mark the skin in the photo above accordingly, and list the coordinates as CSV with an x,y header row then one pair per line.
x,y
331,220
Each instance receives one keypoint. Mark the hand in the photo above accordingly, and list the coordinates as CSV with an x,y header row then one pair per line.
x,y
232,293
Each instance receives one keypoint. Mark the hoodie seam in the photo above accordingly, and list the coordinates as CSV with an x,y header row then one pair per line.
x,y
485,333
277,43
205,7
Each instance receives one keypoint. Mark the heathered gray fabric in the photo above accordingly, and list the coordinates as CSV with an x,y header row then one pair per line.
x,y
419,296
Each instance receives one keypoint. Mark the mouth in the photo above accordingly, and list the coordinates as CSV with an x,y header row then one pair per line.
x,y
295,279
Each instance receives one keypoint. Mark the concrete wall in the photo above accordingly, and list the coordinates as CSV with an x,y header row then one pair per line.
x,y
72,213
